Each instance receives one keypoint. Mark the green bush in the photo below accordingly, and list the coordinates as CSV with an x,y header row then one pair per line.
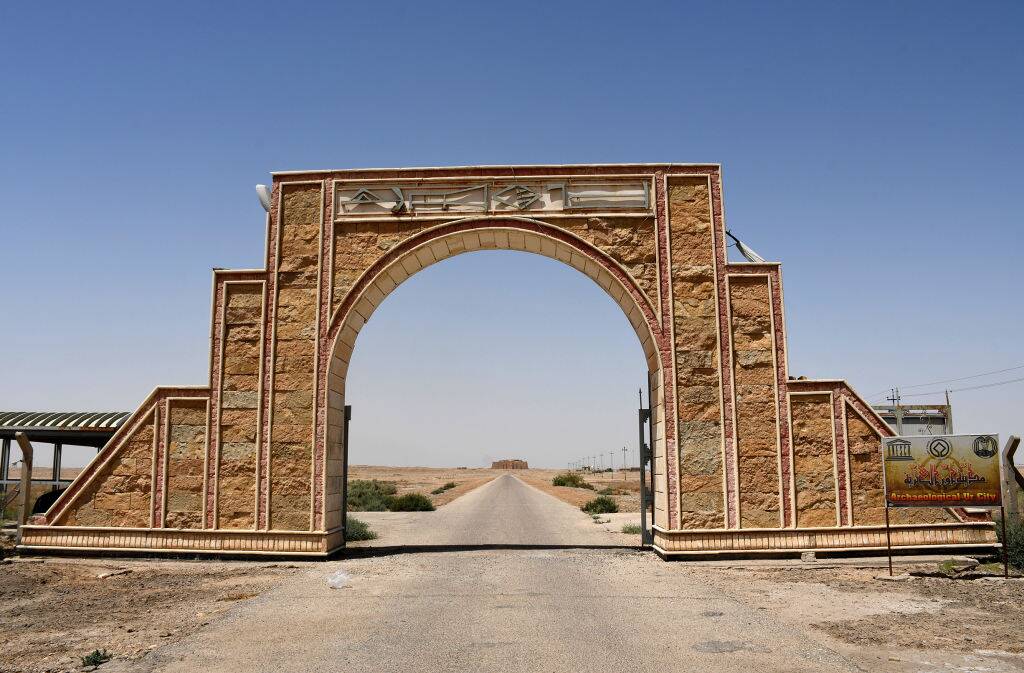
x,y
412,502
1014,541
370,496
602,504
632,528
571,479
441,489
96,657
357,530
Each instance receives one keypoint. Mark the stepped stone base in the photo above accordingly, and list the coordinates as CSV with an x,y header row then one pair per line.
x,y
862,538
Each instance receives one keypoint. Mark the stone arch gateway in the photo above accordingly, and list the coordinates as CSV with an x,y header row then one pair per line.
x,y
745,459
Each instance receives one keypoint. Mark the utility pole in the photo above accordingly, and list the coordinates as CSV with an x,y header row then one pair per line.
x,y
611,460
895,399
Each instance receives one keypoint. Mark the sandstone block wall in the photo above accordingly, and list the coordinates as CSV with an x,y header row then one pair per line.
x,y
185,458
122,492
866,471
291,435
237,448
814,460
698,379
757,438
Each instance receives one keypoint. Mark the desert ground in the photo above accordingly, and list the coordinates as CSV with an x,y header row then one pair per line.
x,y
625,486
607,606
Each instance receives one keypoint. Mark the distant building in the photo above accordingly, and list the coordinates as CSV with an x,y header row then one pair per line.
x,y
918,419
509,464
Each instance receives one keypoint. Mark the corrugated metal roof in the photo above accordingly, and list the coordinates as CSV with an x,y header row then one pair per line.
x,y
80,421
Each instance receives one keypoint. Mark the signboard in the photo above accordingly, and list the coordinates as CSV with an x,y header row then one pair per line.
x,y
942,471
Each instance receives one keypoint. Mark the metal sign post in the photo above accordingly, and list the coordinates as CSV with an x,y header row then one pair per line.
x,y
888,538
1006,553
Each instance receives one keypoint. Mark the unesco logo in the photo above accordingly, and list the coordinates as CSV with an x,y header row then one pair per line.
x,y
939,448
985,446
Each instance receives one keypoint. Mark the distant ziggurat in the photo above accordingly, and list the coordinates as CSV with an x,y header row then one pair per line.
x,y
510,464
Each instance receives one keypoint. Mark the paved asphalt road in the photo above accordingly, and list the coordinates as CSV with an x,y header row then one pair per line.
x,y
503,511
552,610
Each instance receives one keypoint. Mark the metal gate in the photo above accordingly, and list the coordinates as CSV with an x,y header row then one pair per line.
x,y
344,476
646,482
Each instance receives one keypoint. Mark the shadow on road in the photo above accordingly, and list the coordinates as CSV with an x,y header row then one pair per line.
x,y
368,552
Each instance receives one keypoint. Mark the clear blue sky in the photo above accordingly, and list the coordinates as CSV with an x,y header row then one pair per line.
x,y
874,149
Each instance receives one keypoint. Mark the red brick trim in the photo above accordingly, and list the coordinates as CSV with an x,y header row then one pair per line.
x,y
725,353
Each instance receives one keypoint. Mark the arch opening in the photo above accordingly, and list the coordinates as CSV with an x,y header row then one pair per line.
x,y
444,242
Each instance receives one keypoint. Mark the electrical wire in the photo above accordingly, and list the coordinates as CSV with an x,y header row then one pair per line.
x,y
958,390
962,378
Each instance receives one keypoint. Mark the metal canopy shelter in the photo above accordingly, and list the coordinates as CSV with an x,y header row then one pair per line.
x,y
77,428
88,428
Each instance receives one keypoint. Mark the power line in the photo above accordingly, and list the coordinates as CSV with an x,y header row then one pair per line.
x,y
957,390
962,378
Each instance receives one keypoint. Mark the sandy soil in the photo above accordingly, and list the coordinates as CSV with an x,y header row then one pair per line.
x,y
55,610
426,479
917,621
625,487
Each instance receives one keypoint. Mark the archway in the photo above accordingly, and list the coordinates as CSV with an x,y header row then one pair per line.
x,y
442,242
745,458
